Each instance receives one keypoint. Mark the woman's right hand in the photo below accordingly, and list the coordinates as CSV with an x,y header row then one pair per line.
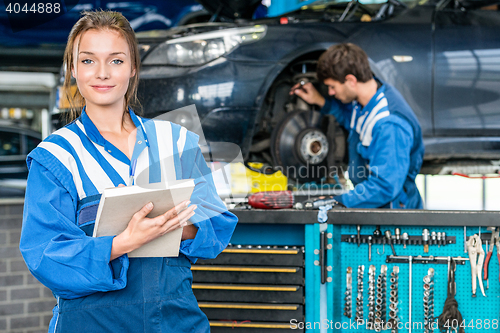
x,y
142,230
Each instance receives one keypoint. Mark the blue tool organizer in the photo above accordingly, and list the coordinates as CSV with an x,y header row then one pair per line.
x,y
474,310
324,302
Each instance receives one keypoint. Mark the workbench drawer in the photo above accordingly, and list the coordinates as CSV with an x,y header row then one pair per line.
x,y
252,312
249,293
258,257
246,274
217,326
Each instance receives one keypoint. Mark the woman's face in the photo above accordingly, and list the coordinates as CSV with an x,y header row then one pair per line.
x,y
102,68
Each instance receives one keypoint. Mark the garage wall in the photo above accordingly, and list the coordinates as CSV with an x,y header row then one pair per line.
x,y
25,304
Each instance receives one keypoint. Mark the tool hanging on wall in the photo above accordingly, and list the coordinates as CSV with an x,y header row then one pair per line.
x,y
410,279
389,239
371,296
451,316
425,260
405,239
393,321
380,307
359,299
494,241
429,300
476,257
369,248
465,239
348,294
425,240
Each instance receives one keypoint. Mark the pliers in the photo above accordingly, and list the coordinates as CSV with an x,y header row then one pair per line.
x,y
494,241
475,247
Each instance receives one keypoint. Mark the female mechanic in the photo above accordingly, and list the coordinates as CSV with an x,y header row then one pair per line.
x,y
97,287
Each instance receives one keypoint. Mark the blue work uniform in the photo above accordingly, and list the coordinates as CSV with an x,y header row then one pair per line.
x,y
67,173
386,150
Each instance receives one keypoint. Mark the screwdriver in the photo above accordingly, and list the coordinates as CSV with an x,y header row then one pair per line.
x,y
369,248
271,200
267,200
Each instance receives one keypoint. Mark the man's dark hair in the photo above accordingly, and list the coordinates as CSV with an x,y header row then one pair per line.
x,y
341,60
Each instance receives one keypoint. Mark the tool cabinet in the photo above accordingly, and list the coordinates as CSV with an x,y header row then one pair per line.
x,y
285,272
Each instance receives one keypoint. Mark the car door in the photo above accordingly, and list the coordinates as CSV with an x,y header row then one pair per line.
x,y
12,157
467,71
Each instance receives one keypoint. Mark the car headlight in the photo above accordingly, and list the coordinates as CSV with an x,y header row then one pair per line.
x,y
202,48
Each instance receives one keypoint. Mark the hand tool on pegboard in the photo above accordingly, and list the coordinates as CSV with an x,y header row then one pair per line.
x,y
359,299
425,239
371,295
348,294
358,239
380,318
428,300
410,261
476,257
389,239
451,314
494,241
394,300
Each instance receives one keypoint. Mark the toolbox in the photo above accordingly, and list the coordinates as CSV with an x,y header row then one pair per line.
x,y
285,272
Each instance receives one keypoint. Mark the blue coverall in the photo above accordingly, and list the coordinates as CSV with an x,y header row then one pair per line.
x,y
386,150
67,173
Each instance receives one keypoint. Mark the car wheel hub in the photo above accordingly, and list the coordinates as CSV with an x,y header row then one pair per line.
x,y
313,147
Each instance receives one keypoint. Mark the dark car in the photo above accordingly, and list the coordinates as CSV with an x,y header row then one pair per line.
x,y
48,40
15,144
443,56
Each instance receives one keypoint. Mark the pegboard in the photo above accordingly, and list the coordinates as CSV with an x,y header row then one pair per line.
x,y
475,311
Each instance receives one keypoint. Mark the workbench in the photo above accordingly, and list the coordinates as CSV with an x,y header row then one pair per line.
x,y
284,270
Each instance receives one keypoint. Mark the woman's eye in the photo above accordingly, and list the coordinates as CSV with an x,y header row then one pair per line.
x,y
86,61
117,61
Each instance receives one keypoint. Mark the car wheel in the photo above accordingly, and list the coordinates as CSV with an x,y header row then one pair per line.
x,y
309,147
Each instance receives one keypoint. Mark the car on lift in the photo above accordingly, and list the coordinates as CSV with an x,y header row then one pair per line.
x,y
442,55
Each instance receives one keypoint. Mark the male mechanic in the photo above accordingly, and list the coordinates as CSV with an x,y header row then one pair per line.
x,y
385,140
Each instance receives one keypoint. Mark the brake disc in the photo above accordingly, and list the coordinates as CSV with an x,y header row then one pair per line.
x,y
300,147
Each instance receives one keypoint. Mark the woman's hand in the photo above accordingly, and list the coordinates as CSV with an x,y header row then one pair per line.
x,y
142,230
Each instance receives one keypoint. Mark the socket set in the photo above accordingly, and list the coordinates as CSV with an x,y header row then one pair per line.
x,y
429,300
359,299
348,294
371,296
443,240
394,300
380,306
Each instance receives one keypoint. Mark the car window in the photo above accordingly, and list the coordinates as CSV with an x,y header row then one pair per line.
x,y
31,143
10,144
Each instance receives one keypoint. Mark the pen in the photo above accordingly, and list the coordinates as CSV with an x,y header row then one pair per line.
x,y
132,172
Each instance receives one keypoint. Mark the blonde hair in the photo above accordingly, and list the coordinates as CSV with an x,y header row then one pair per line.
x,y
99,20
